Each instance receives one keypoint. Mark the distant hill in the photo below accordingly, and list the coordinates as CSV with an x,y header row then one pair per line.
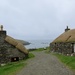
x,y
23,42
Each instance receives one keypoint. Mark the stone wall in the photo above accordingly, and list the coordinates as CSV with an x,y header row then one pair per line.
x,y
8,51
64,48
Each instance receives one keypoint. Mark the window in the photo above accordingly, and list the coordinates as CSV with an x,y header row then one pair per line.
x,y
13,59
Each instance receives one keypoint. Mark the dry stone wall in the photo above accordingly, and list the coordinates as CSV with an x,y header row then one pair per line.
x,y
64,48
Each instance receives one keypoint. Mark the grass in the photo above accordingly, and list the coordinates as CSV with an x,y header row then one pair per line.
x,y
47,50
39,49
67,60
31,55
14,67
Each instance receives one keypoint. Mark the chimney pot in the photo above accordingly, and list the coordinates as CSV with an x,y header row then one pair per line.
x,y
67,29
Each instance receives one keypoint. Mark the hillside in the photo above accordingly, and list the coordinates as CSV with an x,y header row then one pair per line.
x,y
23,42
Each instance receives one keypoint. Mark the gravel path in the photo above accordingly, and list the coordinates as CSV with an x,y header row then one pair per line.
x,y
44,64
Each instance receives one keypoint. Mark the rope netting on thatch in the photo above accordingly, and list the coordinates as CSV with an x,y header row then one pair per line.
x,y
68,36
16,43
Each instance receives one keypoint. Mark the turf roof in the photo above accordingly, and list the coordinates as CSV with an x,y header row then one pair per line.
x,y
68,36
16,43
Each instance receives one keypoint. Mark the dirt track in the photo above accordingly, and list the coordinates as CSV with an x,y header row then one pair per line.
x,y
44,64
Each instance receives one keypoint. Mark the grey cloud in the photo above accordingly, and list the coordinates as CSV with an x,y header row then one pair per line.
x,y
36,19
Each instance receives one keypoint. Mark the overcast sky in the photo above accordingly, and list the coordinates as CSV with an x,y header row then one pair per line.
x,y
37,19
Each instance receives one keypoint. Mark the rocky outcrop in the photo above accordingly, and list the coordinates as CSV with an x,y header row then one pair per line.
x,y
23,42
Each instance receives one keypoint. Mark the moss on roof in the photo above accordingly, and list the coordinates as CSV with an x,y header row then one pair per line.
x,y
68,36
16,43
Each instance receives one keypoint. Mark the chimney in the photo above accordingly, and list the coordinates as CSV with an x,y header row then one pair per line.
x,y
2,32
67,29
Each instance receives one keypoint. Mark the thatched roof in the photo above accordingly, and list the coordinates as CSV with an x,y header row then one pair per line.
x,y
68,36
16,43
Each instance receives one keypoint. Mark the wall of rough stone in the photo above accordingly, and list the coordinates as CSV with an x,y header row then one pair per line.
x,y
64,48
7,51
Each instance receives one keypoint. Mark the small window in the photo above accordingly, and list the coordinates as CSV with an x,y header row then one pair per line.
x,y
13,59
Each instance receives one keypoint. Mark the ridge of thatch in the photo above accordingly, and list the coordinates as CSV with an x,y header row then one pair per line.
x,y
16,43
68,36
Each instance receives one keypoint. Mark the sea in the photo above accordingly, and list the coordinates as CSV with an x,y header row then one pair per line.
x,y
34,44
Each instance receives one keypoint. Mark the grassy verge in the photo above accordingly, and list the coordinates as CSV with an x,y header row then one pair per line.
x,y
39,49
67,60
14,67
31,55
47,50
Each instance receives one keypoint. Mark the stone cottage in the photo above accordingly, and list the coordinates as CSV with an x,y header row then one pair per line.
x,y
65,43
10,49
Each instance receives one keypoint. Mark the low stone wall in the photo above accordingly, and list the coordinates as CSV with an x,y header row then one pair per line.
x,y
64,48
